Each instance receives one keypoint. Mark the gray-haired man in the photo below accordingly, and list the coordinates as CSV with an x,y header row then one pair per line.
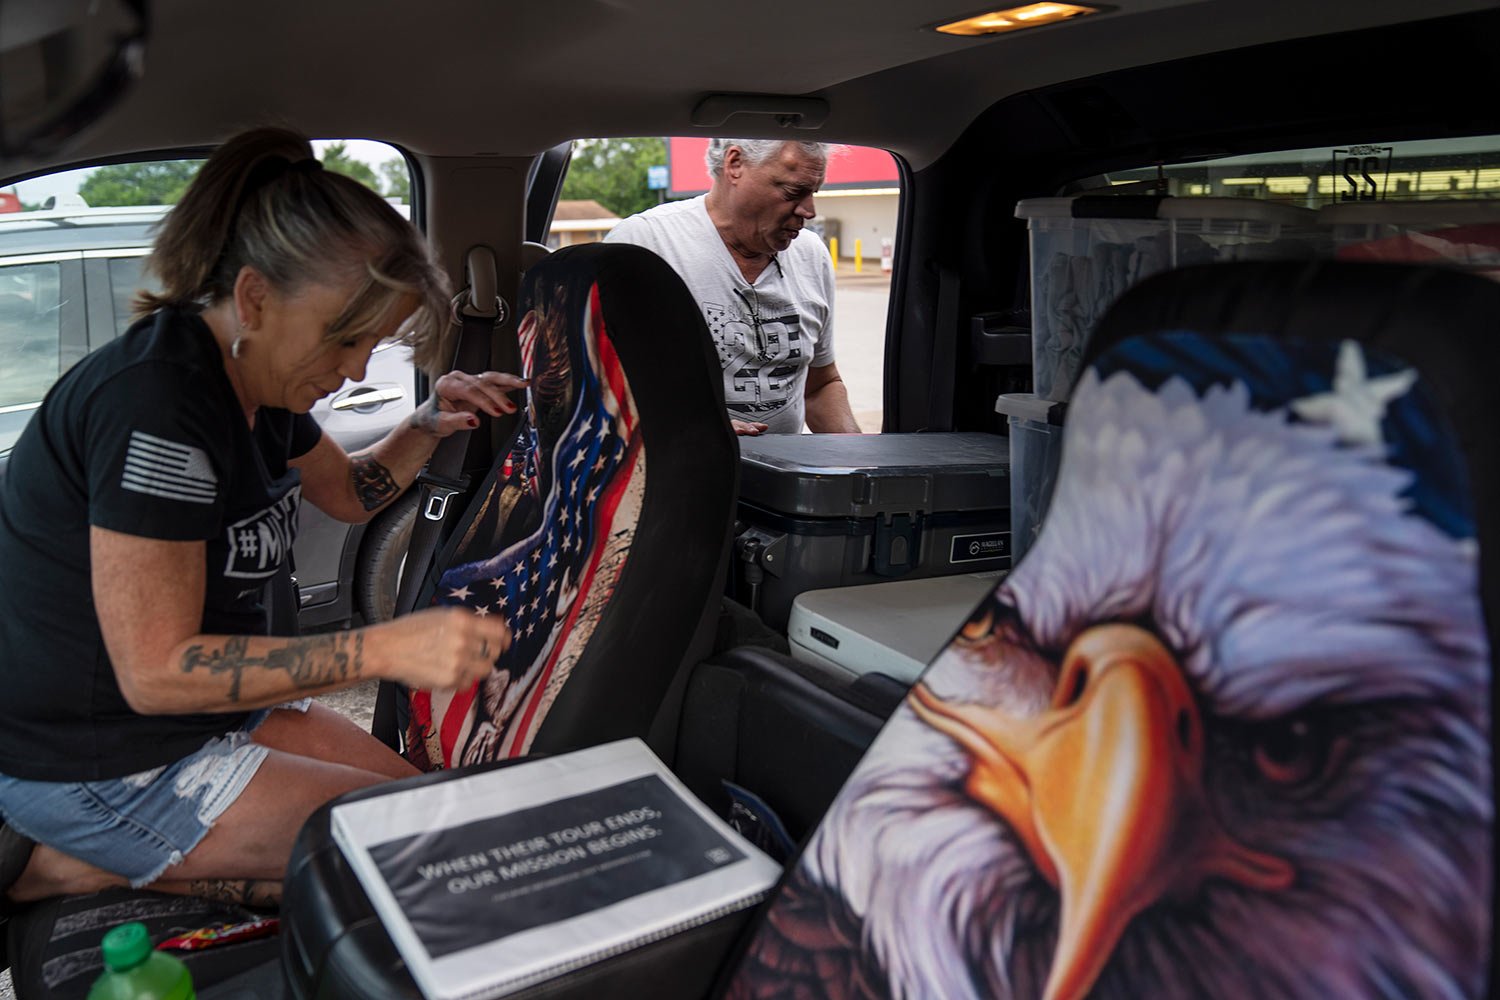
x,y
765,286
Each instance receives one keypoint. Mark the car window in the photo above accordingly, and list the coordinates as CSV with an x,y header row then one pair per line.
x,y
126,277
30,330
73,245
1424,170
609,180
30,339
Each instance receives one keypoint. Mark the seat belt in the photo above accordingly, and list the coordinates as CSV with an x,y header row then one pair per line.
x,y
477,310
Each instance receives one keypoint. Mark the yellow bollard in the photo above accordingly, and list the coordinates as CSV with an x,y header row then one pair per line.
x,y
833,250
859,257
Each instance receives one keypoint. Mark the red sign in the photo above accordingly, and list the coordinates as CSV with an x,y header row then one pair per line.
x,y
848,167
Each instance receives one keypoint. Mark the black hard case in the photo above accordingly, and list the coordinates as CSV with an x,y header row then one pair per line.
x,y
833,510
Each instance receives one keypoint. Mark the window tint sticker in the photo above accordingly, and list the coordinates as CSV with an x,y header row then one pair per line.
x,y
1354,169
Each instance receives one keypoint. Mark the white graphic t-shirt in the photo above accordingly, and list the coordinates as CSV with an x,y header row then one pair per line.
x,y
767,333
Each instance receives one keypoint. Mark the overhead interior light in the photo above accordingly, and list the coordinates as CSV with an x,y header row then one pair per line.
x,y
1032,15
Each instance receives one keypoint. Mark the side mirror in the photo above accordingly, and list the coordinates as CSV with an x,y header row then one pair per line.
x,y
63,64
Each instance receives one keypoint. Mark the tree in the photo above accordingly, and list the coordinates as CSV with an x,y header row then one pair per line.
x,y
158,182
397,180
337,159
613,172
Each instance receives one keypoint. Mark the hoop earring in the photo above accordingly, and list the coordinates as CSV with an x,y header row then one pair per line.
x,y
234,347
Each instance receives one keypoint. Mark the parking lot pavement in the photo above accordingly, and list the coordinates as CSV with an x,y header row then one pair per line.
x,y
357,704
859,317
870,277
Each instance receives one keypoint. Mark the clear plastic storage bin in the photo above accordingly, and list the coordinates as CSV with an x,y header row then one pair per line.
x,y
1036,437
1464,234
1087,251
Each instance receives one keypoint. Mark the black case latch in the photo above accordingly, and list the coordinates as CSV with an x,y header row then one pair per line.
x,y
896,544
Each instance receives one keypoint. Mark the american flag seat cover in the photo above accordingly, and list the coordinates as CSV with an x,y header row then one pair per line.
x,y
546,539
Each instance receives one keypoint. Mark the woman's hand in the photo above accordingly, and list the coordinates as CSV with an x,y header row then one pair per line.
x,y
457,396
438,648
353,488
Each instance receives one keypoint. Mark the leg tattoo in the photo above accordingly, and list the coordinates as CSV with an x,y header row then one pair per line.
x,y
257,893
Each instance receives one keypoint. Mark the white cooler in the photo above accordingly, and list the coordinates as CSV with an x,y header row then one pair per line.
x,y
891,628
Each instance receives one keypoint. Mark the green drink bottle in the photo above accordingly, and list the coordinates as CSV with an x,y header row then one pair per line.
x,y
133,970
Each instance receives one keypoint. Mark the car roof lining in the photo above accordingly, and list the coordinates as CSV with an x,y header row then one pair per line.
x,y
639,67
1426,80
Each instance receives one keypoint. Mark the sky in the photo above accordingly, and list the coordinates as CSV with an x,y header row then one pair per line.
x,y
39,189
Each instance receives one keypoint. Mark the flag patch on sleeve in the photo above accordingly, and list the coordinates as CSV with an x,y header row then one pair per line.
x,y
163,468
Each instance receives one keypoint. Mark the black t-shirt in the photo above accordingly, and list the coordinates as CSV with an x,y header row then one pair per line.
x,y
144,437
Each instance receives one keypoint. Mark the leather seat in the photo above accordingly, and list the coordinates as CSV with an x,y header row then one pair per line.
x,y
1225,731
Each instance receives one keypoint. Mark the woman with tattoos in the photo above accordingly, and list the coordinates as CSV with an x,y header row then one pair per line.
x,y
151,733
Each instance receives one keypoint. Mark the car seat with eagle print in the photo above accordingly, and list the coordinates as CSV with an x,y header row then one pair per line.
x,y
1225,730
601,532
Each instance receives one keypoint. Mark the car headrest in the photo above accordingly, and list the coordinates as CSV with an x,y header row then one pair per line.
x,y
602,529
1441,322
1225,731
532,254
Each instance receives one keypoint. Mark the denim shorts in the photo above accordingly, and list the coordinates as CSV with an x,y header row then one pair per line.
x,y
140,825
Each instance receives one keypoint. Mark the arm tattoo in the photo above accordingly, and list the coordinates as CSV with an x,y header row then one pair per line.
x,y
373,482
425,417
313,662
257,893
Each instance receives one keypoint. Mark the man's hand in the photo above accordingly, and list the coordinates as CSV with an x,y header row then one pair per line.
x,y
748,428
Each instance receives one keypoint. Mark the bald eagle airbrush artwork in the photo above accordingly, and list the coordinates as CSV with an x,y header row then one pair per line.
x,y
552,535
1223,733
